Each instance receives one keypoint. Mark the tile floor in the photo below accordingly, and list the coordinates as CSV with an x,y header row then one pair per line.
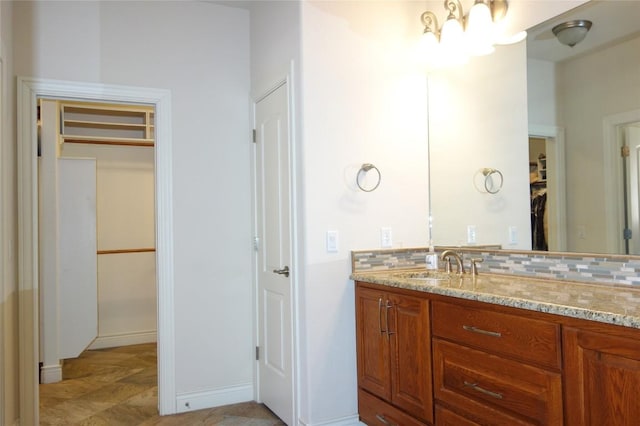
x,y
118,387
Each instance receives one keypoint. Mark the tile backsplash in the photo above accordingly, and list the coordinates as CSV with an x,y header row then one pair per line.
x,y
608,269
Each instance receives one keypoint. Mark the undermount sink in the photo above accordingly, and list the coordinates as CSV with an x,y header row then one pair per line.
x,y
423,275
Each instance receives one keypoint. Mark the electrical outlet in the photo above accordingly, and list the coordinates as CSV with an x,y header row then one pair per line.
x,y
471,234
386,238
332,241
513,235
582,232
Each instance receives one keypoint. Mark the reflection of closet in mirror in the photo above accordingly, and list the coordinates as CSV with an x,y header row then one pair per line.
x,y
538,193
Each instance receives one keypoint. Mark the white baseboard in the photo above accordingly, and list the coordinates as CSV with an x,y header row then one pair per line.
x,y
190,401
124,339
51,373
343,421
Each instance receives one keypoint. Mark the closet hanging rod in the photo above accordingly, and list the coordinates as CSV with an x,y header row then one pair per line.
x,y
133,250
109,142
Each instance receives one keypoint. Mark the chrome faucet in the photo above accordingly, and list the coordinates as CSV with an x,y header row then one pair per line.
x,y
447,255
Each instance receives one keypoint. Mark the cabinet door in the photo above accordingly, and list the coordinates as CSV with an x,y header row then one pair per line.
x,y
602,378
410,342
372,342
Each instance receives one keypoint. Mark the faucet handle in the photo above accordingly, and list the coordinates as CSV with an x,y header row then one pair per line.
x,y
474,264
447,265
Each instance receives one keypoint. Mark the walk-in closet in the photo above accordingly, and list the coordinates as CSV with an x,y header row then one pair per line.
x,y
97,229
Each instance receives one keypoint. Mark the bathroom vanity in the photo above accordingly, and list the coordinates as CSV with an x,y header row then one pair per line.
x,y
495,349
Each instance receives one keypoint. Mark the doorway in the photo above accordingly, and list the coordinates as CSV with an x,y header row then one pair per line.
x,y
619,131
97,285
29,91
547,175
630,143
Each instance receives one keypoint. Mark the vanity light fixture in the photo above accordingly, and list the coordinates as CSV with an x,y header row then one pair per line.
x,y
572,32
430,38
460,35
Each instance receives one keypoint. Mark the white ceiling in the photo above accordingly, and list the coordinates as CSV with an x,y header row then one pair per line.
x,y
613,21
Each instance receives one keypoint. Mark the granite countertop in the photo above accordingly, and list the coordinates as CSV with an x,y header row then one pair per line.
x,y
618,305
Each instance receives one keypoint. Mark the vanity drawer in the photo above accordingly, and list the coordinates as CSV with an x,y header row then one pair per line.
x,y
445,417
493,388
376,412
528,339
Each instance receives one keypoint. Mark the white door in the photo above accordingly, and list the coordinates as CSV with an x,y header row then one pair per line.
x,y
275,364
632,141
77,270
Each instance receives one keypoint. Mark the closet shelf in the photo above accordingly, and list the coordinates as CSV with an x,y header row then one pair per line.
x,y
124,251
99,140
106,124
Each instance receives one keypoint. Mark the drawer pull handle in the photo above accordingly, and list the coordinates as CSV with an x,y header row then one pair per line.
x,y
481,331
384,421
475,386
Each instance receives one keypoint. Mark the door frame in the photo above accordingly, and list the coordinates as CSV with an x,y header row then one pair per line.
x,y
612,174
28,91
554,137
296,266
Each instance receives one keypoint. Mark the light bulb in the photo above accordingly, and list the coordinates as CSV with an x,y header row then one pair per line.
x,y
452,43
480,30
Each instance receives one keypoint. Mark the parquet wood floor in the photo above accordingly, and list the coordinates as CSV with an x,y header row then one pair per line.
x,y
118,387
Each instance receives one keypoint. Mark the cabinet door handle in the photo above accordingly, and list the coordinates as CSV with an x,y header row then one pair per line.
x,y
384,421
481,331
386,315
475,386
380,316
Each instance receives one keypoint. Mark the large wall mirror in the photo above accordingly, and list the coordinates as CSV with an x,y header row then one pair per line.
x,y
553,119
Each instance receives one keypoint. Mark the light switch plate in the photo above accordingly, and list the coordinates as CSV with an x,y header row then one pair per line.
x,y
332,241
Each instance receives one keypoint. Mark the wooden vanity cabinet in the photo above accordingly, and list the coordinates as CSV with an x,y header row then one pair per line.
x,y
602,376
394,357
430,359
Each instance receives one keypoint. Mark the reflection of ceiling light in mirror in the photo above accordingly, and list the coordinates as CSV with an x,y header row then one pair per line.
x,y
572,32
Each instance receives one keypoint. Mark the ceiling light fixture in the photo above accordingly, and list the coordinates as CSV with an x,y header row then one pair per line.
x,y
572,32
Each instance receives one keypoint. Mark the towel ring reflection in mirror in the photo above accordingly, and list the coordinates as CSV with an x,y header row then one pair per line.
x,y
366,167
489,185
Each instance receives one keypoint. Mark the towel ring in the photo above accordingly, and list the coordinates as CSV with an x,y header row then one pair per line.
x,y
488,180
365,168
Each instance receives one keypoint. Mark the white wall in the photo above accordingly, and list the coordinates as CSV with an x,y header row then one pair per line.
x,y
590,89
200,51
364,101
9,408
541,93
